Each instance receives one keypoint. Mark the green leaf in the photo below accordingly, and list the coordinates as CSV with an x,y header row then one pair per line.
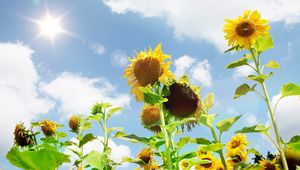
x,y
35,124
96,117
132,138
226,124
209,101
151,97
86,125
174,124
114,110
237,48
132,160
182,142
290,89
273,64
294,143
294,139
97,159
214,147
240,62
254,129
263,43
243,90
46,158
201,141
253,151
207,119
61,134
261,78
86,138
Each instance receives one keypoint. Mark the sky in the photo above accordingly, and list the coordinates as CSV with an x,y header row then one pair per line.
x,y
43,78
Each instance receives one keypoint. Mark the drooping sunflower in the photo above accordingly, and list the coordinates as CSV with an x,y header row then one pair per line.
x,y
23,137
48,127
237,146
147,68
184,100
215,163
245,30
269,165
149,116
292,158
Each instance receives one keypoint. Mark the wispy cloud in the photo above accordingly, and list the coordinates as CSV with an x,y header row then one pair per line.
x,y
97,48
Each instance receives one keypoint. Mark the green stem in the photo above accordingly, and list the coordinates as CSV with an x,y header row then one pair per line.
x,y
271,112
166,138
221,151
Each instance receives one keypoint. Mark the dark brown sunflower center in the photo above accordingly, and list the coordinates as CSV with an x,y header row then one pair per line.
x,y
245,29
145,158
208,164
150,115
182,101
270,166
185,164
147,71
235,144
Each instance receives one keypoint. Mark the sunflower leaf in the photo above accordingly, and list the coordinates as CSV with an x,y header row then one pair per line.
x,y
240,62
209,101
214,147
97,159
152,97
226,124
201,141
263,43
290,89
183,141
243,90
86,138
273,64
260,78
114,110
207,119
132,138
254,129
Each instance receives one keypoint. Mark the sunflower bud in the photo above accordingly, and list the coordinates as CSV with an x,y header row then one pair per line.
x,y
149,116
23,137
74,122
48,127
146,155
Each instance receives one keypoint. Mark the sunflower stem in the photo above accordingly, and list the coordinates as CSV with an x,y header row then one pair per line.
x,y
166,138
221,151
271,112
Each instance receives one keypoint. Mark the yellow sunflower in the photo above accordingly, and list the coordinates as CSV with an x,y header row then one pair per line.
x,y
147,68
215,163
185,164
269,165
146,155
48,127
74,122
237,145
245,30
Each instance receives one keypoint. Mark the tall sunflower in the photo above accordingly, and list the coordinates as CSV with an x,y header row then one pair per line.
x,y
237,145
269,165
147,68
48,127
245,30
149,116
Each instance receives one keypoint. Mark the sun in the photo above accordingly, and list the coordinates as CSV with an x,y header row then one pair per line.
x,y
50,26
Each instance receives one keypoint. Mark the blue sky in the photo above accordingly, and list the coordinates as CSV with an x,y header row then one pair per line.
x,y
68,75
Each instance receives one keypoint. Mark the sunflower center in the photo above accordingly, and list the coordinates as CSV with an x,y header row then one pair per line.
x,y
182,101
147,71
245,29
235,143
208,164
270,166
185,164
150,115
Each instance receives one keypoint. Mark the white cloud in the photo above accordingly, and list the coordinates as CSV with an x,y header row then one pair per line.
x,y
250,119
288,115
204,20
117,152
76,94
97,48
182,64
119,58
20,99
243,71
198,71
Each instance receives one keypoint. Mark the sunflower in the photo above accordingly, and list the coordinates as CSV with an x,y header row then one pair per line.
x,y
183,100
292,158
23,137
74,122
237,146
269,165
245,30
215,163
146,155
149,116
48,127
147,68
185,164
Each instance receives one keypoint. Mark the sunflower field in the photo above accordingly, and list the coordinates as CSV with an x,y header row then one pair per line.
x,y
172,107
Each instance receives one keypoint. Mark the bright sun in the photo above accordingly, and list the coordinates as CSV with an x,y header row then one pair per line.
x,y
50,26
